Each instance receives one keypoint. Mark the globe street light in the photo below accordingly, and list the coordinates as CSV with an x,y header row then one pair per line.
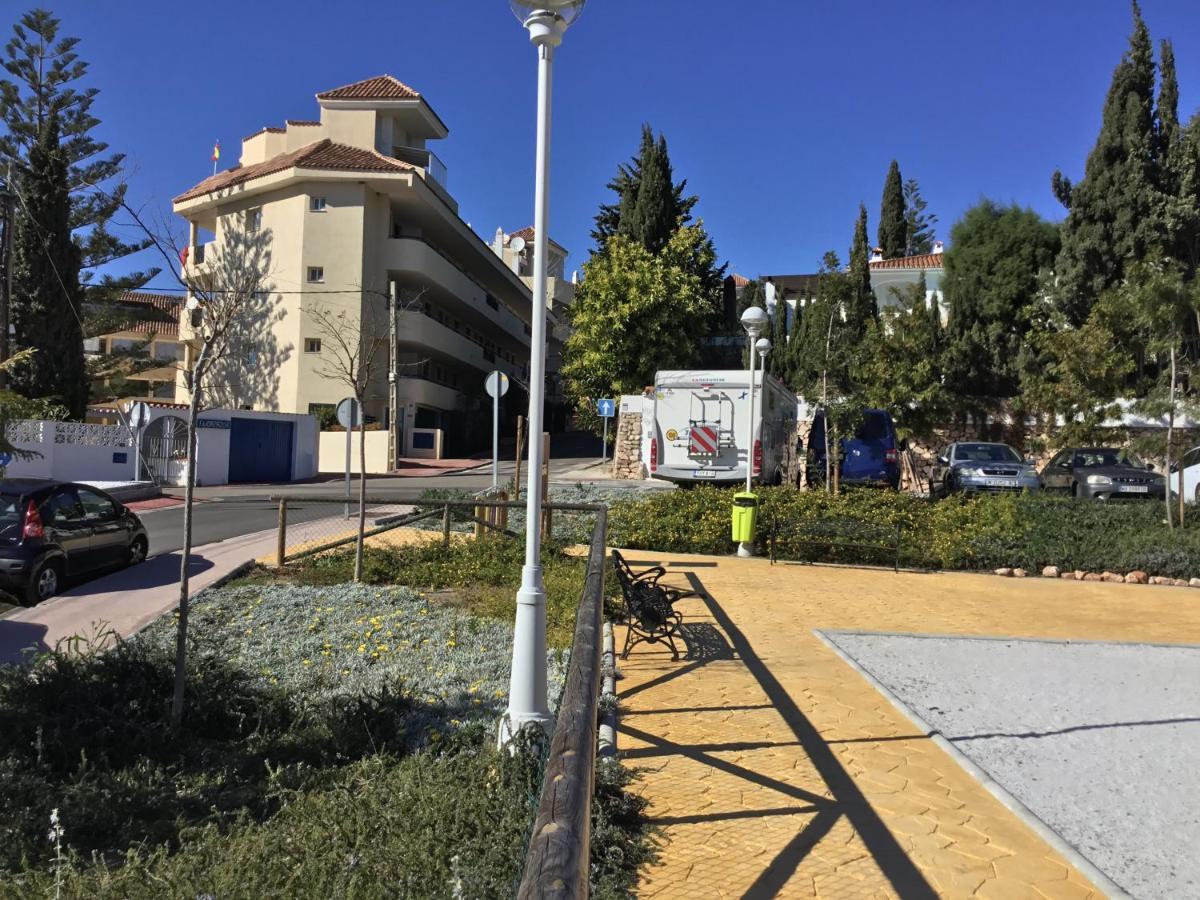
x,y
754,319
546,20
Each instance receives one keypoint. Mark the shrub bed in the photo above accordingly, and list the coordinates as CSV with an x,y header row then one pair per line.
x,y
1029,531
339,741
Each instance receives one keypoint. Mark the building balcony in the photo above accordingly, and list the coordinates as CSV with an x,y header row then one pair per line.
x,y
424,392
418,261
416,330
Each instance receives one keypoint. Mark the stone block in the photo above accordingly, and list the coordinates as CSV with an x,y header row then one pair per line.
x,y
1050,572
1137,577
1019,573
1004,571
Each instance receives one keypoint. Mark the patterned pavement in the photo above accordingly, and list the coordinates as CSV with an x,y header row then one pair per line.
x,y
775,770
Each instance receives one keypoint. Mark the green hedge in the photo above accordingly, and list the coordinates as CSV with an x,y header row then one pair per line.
x,y
1030,531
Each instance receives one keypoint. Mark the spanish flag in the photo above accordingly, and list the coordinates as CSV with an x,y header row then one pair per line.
x,y
216,151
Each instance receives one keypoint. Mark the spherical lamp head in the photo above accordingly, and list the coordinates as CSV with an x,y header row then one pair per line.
x,y
754,319
763,345
547,19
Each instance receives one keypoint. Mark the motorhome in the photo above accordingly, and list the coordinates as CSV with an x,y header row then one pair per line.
x,y
700,428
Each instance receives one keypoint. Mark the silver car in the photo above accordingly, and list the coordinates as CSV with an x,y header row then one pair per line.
x,y
975,467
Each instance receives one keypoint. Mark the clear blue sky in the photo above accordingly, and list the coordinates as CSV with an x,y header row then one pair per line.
x,y
782,115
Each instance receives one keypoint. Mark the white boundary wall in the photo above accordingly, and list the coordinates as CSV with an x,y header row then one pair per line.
x,y
72,451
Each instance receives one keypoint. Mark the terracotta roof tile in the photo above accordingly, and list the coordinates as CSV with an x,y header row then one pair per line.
x,y
302,123
381,87
156,314
922,261
323,154
528,234
739,280
269,129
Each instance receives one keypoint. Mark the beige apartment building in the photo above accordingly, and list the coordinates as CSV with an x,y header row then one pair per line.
x,y
349,208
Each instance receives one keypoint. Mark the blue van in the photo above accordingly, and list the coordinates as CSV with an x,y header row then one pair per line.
x,y
871,457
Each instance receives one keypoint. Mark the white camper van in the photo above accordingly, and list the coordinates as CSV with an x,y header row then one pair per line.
x,y
699,431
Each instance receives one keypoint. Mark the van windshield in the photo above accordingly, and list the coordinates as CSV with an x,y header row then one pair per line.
x,y
10,518
873,427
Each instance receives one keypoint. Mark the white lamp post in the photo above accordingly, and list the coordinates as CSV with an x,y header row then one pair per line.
x,y
546,20
754,319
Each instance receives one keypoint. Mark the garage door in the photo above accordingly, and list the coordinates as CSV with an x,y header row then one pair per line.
x,y
260,451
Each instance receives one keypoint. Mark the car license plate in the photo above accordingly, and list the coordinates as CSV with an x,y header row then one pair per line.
x,y
705,473
1135,488
997,482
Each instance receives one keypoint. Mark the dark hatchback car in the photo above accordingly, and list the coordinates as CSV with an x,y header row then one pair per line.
x,y
871,457
51,531
1102,473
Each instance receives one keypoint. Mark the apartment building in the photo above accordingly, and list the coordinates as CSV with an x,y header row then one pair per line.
x,y
148,329
348,208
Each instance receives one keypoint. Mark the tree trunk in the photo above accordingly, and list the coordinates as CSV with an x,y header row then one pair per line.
x,y
362,495
185,554
1170,437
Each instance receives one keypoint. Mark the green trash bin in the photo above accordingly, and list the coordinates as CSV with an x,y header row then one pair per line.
x,y
745,510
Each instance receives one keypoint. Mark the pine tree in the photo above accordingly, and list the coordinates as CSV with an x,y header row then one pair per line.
x,y
862,308
892,226
45,72
1113,212
918,224
46,297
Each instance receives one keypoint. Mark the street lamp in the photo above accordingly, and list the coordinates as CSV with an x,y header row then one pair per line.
x,y
754,319
546,20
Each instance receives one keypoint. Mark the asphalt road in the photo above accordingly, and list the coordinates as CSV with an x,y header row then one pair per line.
x,y
219,520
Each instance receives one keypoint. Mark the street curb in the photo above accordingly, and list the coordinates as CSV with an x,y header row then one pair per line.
x,y
1085,866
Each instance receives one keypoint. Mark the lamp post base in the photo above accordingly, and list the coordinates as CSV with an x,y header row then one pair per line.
x,y
527,690
744,550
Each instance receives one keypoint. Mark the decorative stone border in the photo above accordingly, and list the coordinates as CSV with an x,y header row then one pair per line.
x,y
1135,577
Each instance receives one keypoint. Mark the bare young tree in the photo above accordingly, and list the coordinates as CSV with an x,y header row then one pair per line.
x,y
350,353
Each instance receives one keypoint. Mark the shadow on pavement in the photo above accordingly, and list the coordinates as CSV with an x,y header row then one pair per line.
x,y
155,572
20,639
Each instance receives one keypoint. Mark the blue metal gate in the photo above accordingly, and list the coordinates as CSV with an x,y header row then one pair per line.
x,y
260,451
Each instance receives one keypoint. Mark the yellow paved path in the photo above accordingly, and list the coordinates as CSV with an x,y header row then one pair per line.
x,y
776,770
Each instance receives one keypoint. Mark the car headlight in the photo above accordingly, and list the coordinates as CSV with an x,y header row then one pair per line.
x,y
1099,479
970,471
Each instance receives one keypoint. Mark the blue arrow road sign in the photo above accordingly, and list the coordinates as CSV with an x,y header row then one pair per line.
x,y
5,459
606,408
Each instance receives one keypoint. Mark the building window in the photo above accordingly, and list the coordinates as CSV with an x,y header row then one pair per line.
x,y
316,204
254,219
168,350
92,345
122,345
312,345
316,274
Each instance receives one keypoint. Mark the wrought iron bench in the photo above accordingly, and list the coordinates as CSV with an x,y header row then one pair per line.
x,y
647,608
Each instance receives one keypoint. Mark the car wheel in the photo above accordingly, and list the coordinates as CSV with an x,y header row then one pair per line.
x,y
138,550
45,582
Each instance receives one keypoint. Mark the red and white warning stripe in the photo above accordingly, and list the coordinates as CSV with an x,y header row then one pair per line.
x,y
702,439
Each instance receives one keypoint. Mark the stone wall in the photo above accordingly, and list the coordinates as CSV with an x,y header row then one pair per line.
x,y
627,451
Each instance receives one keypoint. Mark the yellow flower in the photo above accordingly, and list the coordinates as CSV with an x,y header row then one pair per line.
x,y
451,643
308,662
362,648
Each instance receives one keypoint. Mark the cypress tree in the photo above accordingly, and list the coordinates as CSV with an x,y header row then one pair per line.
x,y
893,230
1113,212
46,298
654,215
862,307
45,71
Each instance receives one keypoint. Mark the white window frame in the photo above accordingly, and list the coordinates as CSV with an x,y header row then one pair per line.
x,y
312,345
254,219
320,274
317,204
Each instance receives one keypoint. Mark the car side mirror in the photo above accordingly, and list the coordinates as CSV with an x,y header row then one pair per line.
x,y
1149,467
1030,461
943,461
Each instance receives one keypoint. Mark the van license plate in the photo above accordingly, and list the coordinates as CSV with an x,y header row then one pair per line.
x,y
997,482
705,473
1135,489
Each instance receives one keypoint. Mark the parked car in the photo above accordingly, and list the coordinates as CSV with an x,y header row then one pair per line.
x,y
976,467
54,530
871,457
1191,475
1103,473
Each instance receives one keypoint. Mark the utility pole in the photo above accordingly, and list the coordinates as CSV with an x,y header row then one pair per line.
x,y
393,387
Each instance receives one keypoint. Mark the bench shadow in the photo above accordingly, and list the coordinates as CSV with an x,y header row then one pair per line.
x,y
726,641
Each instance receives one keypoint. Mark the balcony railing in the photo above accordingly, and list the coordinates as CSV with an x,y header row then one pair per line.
x,y
434,168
